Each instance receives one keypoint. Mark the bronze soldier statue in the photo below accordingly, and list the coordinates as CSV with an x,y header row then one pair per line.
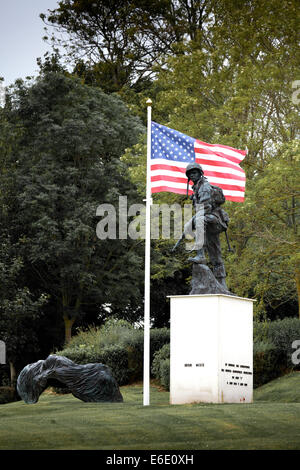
x,y
215,220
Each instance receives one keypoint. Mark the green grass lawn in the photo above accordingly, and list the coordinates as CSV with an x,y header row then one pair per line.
x,y
285,389
64,422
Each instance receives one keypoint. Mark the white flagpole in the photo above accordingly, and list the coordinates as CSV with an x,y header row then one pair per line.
x,y
146,382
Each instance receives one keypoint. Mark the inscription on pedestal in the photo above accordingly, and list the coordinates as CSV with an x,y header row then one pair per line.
x,y
241,374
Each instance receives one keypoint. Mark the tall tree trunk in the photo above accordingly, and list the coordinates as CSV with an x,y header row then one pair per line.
x,y
13,374
69,322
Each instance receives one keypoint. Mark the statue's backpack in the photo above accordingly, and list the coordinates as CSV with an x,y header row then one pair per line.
x,y
218,199
217,196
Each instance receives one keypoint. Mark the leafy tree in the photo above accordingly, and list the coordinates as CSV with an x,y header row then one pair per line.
x,y
117,43
266,233
71,138
19,310
236,89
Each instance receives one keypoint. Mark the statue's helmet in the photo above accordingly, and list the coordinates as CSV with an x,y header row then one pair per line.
x,y
193,166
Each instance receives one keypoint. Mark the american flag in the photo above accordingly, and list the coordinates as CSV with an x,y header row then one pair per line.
x,y
172,151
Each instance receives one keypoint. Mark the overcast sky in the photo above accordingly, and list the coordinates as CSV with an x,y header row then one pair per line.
x,y
21,32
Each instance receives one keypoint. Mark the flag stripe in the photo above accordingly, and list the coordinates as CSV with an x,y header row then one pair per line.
x,y
161,168
205,152
160,189
235,198
181,185
227,176
164,166
179,175
172,151
223,148
175,179
216,162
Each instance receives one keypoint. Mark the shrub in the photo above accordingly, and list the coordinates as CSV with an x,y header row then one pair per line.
x,y
260,331
113,356
7,395
112,332
159,337
135,354
273,350
80,354
165,374
266,363
116,357
4,375
161,366
282,333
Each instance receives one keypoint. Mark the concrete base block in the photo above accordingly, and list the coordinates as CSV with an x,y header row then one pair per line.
x,y
211,342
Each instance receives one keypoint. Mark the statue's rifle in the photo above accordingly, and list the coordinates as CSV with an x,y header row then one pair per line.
x,y
183,234
228,244
178,242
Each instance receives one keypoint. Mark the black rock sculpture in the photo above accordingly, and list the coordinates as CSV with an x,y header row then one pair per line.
x,y
88,382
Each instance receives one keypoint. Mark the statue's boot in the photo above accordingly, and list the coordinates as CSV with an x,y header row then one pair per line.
x,y
199,258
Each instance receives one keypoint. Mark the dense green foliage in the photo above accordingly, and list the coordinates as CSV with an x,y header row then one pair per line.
x,y
8,395
60,148
267,363
281,333
19,310
233,85
116,44
118,345
161,366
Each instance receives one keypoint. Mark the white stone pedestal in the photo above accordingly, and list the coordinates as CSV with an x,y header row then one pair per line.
x,y
211,341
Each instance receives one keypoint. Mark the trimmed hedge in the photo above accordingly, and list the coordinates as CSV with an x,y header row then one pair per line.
x,y
266,363
282,333
272,354
114,356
